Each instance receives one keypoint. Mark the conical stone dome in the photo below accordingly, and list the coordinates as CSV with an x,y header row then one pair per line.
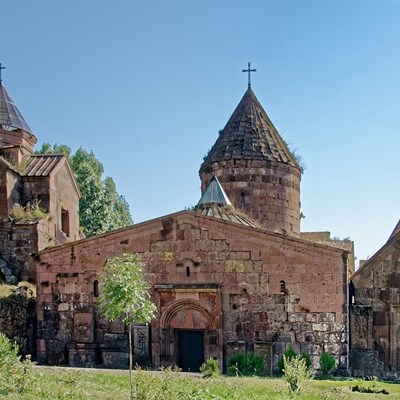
x,y
10,117
256,168
249,134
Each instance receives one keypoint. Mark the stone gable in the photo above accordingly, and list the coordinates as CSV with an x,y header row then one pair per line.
x,y
237,284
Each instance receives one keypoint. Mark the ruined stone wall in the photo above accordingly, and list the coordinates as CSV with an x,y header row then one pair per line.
x,y
268,192
19,241
375,316
274,291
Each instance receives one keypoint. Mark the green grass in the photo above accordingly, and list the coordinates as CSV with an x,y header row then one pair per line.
x,y
64,384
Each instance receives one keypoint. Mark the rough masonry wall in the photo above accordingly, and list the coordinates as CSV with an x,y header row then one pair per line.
x,y
375,315
18,322
269,290
268,192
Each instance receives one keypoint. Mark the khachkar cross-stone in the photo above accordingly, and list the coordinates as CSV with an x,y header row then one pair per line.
x,y
249,71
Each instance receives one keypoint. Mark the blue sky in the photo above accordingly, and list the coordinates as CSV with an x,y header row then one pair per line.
x,y
147,85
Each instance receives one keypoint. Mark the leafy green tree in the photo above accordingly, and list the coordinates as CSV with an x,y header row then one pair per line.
x,y
125,296
101,208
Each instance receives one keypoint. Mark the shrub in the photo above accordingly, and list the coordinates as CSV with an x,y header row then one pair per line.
x,y
289,353
296,373
14,374
327,364
307,357
245,364
31,212
210,368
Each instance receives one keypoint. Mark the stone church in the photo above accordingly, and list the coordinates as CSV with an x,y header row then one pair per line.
x,y
375,312
234,274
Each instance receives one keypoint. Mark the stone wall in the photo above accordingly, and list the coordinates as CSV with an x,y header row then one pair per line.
x,y
268,192
235,283
19,241
18,322
375,314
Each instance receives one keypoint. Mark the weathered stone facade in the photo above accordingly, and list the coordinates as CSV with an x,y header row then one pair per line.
x,y
234,283
18,321
269,192
26,178
375,313
46,179
223,280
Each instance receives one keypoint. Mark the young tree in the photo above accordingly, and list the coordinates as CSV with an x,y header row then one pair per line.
x,y
101,208
125,296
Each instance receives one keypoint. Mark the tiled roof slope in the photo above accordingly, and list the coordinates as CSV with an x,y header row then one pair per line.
x,y
10,117
227,213
41,165
249,134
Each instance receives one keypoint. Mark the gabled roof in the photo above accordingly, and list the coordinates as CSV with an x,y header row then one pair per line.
x,y
46,164
10,117
42,164
249,134
391,246
395,230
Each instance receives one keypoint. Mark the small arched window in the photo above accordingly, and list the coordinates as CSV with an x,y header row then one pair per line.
x,y
96,292
65,221
187,271
282,287
242,201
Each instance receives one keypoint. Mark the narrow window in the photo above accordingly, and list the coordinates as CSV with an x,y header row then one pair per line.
x,y
352,293
65,221
187,271
282,286
242,203
96,289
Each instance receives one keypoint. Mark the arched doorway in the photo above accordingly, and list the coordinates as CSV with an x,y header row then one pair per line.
x,y
186,328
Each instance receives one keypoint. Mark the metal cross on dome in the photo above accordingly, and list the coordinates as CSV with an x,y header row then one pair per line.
x,y
1,67
249,71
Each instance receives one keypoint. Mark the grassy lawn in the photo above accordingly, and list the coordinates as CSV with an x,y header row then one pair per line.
x,y
59,383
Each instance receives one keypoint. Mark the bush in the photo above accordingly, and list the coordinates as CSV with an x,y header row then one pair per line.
x,y
306,356
289,353
210,368
31,212
327,364
245,364
15,375
296,373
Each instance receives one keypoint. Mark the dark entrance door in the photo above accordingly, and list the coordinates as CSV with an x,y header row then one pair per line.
x,y
190,350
